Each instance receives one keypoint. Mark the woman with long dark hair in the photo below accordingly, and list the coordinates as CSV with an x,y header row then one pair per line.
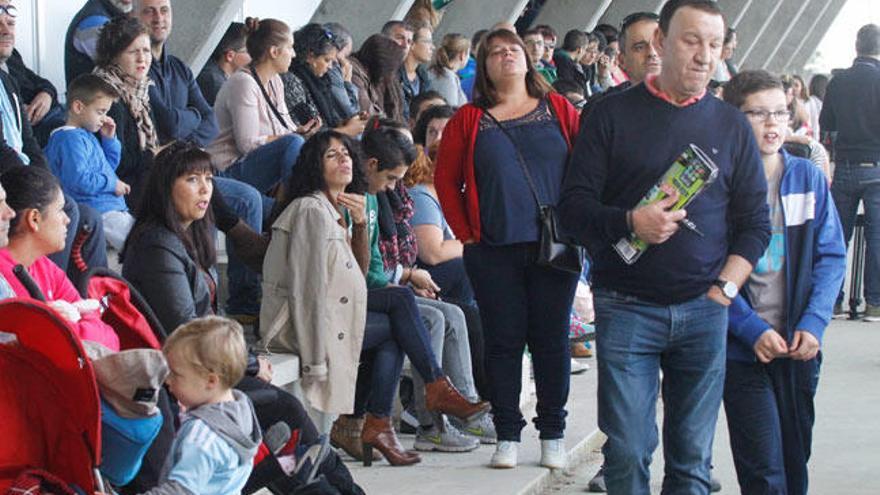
x,y
516,127
375,72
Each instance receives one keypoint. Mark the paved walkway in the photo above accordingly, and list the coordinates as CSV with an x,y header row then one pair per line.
x,y
846,446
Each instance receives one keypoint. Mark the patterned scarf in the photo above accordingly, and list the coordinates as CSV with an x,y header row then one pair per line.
x,y
136,97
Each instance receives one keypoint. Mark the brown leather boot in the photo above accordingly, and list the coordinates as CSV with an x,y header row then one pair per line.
x,y
378,433
442,396
346,435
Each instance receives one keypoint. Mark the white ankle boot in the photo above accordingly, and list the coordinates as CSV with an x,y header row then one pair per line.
x,y
505,455
553,453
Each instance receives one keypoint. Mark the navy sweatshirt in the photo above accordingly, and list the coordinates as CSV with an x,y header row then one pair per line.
x,y
628,142
180,111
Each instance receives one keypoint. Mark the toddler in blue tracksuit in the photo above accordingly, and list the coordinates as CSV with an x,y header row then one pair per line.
x,y
84,155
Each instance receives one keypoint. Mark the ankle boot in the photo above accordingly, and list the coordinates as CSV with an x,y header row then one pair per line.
x,y
378,433
442,396
346,435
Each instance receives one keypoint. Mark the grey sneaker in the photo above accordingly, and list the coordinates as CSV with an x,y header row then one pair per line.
x,y
482,428
872,313
597,484
444,438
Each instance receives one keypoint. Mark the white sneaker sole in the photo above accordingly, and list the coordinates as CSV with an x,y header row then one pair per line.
x,y
502,465
428,446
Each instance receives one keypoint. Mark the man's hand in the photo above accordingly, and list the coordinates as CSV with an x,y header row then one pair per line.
x,y
122,188
108,128
717,296
653,223
353,126
769,346
38,107
804,346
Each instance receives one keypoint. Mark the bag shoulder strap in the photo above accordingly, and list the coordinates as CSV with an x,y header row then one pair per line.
x,y
520,158
253,72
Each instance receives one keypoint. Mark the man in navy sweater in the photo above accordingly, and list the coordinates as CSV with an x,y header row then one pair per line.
x,y
181,113
851,112
667,311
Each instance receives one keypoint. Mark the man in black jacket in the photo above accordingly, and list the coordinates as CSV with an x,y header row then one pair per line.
x,y
567,59
39,96
19,147
81,42
851,113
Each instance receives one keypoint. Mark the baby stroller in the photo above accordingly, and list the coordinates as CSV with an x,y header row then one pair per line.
x,y
48,399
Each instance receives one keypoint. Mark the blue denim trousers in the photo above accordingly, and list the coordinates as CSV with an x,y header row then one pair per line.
x,y
523,304
244,284
851,185
269,164
770,416
636,340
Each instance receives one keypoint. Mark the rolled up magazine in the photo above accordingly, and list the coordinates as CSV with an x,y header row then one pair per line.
x,y
689,174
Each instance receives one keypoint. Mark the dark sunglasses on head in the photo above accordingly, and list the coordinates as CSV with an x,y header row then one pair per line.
x,y
638,17
9,10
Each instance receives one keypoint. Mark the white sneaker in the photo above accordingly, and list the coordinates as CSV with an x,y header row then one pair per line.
x,y
553,453
505,455
578,367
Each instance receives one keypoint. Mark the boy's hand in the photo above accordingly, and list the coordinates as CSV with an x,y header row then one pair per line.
x,y
804,346
108,129
122,188
770,346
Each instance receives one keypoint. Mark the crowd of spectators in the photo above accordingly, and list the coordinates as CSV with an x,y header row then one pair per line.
x,y
389,201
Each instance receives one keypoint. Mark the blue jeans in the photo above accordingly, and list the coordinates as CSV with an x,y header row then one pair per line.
x,y
269,164
244,284
851,185
394,328
522,304
770,418
635,340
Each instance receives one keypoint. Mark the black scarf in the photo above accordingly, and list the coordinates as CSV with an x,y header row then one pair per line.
x,y
320,91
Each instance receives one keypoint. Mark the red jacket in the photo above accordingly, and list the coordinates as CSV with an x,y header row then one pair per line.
x,y
454,176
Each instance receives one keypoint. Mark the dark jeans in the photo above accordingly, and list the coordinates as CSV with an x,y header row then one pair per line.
x,y
244,284
522,304
94,248
452,279
635,340
853,184
274,405
770,418
384,344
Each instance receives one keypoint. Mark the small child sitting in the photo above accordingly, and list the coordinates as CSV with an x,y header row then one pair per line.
x,y
215,445
86,163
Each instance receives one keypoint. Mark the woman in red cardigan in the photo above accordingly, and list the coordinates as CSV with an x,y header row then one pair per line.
x,y
516,121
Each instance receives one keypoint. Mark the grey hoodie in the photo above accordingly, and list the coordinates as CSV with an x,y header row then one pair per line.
x,y
235,423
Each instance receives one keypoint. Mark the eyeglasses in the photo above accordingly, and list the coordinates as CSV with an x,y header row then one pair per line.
x,y
763,115
638,17
534,42
9,10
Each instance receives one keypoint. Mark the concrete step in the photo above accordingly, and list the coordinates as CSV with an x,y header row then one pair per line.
x,y
469,473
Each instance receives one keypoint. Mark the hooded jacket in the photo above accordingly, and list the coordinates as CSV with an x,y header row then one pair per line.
x,y
815,262
214,450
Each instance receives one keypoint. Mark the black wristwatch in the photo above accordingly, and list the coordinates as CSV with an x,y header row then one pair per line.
x,y
728,288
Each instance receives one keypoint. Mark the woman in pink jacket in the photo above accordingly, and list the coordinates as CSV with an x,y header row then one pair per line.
x,y
39,229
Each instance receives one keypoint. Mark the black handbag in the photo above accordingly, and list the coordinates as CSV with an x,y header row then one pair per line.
x,y
553,251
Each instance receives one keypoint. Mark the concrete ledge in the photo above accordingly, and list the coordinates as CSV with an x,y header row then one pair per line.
x,y
285,369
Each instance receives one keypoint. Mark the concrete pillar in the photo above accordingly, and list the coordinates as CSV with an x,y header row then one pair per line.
x,y
565,15
734,10
198,27
469,16
795,33
752,25
361,18
619,9
778,26
807,45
